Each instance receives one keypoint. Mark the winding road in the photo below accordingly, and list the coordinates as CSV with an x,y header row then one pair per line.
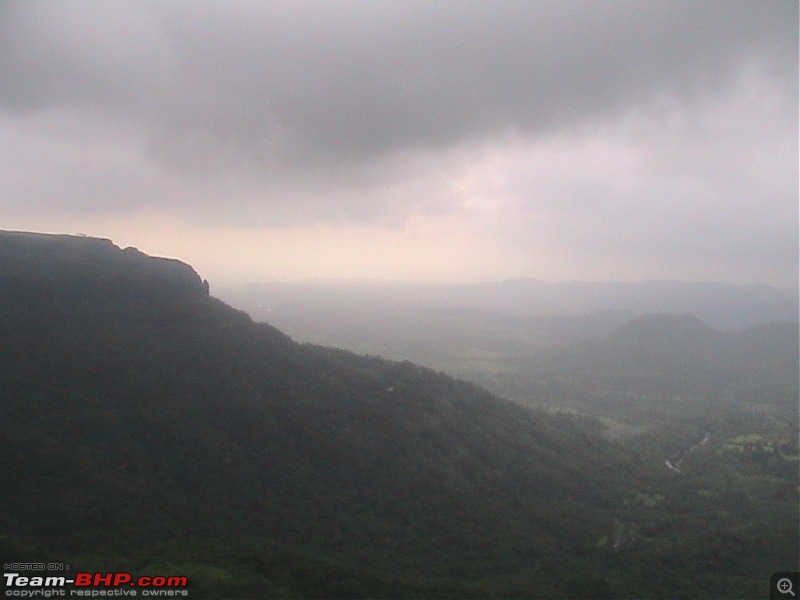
x,y
674,461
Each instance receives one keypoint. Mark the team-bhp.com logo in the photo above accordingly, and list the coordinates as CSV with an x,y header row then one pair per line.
x,y
94,585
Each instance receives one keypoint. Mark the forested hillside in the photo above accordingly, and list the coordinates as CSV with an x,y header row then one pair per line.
x,y
141,416
148,426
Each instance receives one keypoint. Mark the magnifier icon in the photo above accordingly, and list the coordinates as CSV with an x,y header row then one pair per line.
x,y
785,586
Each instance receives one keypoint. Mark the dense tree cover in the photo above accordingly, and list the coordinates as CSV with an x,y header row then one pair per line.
x,y
159,430
142,422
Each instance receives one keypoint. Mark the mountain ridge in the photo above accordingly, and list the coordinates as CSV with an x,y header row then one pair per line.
x,y
684,354
167,415
724,306
69,262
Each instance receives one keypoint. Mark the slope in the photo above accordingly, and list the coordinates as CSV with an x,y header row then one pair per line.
x,y
681,354
144,418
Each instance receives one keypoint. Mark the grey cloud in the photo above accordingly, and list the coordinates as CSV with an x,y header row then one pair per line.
x,y
254,113
713,183
387,76
334,83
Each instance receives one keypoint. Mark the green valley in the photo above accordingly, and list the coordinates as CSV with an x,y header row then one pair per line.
x,y
148,426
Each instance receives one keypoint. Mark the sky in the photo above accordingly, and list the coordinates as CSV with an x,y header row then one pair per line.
x,y
450,141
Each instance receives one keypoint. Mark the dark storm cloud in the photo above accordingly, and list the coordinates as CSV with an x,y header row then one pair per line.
x,y
271,85
589,139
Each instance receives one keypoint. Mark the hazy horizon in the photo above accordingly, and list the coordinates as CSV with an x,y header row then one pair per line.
x,y
355,281
411,142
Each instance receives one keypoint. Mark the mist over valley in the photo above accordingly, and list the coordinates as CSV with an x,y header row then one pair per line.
x,y
398,299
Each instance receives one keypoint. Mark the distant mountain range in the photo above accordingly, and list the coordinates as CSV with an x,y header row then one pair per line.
x,y
720,305
693,338
680,353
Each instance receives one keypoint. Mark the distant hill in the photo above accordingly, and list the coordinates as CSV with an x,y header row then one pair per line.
x,y
535,342
722,306
667,354
146,421
641,367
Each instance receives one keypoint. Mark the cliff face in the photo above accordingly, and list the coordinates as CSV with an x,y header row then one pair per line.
x,y
92,268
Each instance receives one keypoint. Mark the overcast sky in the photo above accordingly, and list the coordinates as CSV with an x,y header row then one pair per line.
x,y
410,140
